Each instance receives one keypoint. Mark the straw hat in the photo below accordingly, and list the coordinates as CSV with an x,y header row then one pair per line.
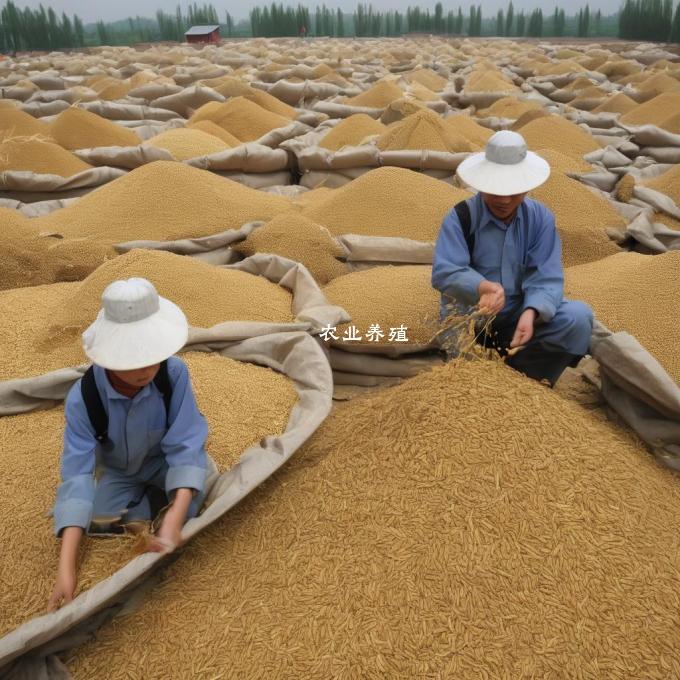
x,y
135,328
505,167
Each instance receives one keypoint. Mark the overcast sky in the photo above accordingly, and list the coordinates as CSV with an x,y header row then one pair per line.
x,y
93,10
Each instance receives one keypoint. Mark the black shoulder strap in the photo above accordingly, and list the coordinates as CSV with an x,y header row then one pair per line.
x,y
162,382
463,211
95,407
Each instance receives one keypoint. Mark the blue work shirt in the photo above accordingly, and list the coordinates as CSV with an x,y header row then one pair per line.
x,y
525,257
138,431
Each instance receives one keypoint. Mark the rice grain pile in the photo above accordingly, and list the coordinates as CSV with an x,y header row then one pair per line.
x,y
668,183
582,218
423,130
564,164
637,294
186,143
489,81
208,295
41,157
214,130
557,133
476,134
508,107
426,531
300,239
270,103
428,78
389,296
387,202
351,131
618,103
527,117
661,111
378,96
17,123
194,203
228,393
242,118
76,128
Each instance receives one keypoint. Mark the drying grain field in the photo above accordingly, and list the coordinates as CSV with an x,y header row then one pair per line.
x,y
466,522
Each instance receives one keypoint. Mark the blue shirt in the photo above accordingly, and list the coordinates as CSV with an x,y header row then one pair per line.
x,y
138,431
525,257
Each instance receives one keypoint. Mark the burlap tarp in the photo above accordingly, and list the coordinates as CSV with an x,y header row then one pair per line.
x,y
45,110
657,200
37,209
152,91
298,356
644,235
662,154
652,136
115,111
29,187
187,101
298,94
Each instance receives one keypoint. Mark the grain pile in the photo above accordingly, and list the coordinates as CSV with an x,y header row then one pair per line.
x,y
41,157
194,203
637,294
76,128
109,89
668,183
423,130
387,202
582,219
564,164
618,103
527,117
377,97
489,81
16,123
661,111
214,130
28,560
476,134
29,259
422,93
444,539
229,394
351,131
553,132
625,188
270,103
390,297
300,239
186,143
428,78
508,107
208,295
242,118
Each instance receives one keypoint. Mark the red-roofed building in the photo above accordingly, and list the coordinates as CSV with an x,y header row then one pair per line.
x,y
203,34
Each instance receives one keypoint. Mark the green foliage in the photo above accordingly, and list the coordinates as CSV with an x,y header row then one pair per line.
x,y
675,29
535,27
509,18
38,29
277,20
648,20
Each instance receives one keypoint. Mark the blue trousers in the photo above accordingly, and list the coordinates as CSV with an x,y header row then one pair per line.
x,y
127,498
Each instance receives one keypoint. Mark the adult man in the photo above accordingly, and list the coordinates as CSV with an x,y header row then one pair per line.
x,y
501,251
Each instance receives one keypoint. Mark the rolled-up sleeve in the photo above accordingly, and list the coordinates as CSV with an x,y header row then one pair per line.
x,y
184,442
452,274
543,284
75,495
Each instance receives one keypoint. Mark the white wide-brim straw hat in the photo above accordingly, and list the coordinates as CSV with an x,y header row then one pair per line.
x,y
505,167
135,328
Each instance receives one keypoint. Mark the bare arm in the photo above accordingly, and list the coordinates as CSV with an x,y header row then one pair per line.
x,y
65,586
170,532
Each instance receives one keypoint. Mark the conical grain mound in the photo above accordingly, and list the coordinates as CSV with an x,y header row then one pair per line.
x,y
40,157
351,131
557,133
423,130
16,123
162,201
186,143
377,97
76,128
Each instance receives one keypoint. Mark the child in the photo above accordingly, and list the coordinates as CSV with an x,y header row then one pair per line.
x,y
134,417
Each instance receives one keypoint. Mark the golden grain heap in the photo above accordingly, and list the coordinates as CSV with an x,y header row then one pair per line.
x,y
423,130
618,103
508,107
389,297
668,183
426,531
16,123
351,132
186,143
387,202
241,117
484,80
41,157
378,96
76,128
476,134
557,133
637,294
300,239
208,295
582,219
215,130
194,203
228,393
661,111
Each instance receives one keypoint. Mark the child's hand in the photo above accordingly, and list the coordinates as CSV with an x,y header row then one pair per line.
x,y
63,589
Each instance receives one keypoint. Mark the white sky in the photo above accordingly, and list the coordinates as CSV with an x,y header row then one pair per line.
x,y
93,10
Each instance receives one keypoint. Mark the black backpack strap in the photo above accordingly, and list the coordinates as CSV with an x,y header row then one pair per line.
x,y
463,211
95,407
164,386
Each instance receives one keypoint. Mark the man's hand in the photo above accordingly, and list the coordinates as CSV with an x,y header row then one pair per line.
x,y
169,536
525,328
63,589
491,297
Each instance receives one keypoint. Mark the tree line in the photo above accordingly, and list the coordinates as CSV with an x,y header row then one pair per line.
x,y
650,20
